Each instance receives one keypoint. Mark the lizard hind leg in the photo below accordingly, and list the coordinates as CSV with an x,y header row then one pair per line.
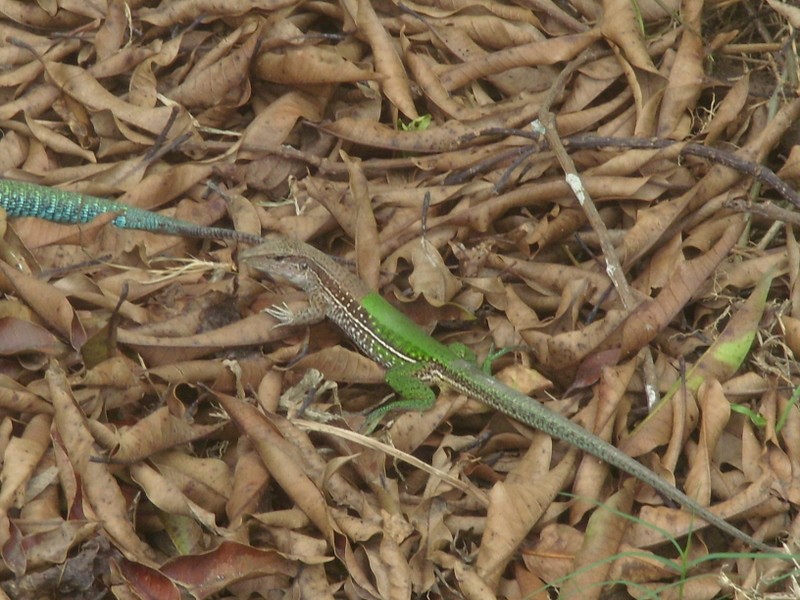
x,y
467,354
414,394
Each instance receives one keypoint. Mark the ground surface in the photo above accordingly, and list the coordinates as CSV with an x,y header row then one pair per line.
x,y
145,453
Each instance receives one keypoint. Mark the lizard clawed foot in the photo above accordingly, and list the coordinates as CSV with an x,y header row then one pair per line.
x,y
374,415
370,424
282,313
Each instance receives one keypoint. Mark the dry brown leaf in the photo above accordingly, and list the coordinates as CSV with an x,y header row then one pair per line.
x,y
650,318
394,81
18,336
686,75
716,411
425,75
168,497
223,82
179,11
602,541
704,587
86,90
363,226
250,479
341,364
619,25
308,65
52,307
729,112
102,491
592,474
230,562
158,431
545,52
515,506
431,277
51,542
20,457
205,481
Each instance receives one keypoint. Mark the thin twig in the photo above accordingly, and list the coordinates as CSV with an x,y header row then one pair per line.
x,y
613,265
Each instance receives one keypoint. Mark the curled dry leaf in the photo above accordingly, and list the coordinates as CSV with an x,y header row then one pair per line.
x,y
304,65
230,562
158,431
277,456
604,535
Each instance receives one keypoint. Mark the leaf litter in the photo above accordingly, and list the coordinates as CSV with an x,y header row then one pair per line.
x,y
144,444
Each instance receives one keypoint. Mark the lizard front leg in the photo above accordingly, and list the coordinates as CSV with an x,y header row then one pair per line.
x,y
286,317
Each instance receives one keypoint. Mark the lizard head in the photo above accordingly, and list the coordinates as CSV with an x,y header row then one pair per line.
x,y
283,258
301,265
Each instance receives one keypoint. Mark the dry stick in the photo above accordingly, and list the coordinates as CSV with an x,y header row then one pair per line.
x,y
766,209
613,265
489,163
773,106
716,155
725,158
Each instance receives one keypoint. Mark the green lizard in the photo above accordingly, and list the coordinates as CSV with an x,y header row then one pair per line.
x,y
414,360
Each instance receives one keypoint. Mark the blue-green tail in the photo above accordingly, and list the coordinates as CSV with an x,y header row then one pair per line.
x,y
22,199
